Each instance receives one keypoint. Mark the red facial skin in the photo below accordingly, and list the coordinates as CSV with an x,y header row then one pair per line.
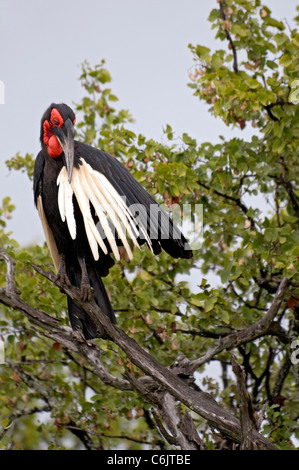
x,y
53,146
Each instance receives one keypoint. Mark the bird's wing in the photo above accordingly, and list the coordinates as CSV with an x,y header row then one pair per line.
x,y
37,181
48,233
37,175
102,182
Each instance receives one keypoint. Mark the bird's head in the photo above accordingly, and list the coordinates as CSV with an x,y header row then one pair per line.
x,y
57,134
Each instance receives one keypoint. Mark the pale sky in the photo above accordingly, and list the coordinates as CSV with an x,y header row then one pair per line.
x,y
145,45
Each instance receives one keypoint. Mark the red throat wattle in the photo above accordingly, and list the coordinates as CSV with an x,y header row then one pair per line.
x,y
53,146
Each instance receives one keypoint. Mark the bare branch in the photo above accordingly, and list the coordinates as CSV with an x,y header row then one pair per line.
x,y
281,376
179,429
231,42
200,402
82,435
59,333
246,410
10,272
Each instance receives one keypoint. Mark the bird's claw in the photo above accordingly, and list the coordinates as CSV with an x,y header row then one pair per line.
x,y
86,292
62,279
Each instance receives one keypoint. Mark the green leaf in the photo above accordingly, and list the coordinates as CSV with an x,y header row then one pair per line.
x,y
285,60
225,273
295,251
225,316
209,303
271,234
203,53
5,423
195,300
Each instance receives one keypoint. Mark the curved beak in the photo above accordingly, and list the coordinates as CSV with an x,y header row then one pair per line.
x,y
65,137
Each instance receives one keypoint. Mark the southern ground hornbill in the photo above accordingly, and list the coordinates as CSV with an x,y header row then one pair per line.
x,y
89,205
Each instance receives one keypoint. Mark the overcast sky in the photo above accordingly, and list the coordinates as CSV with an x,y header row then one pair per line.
x,y
145,45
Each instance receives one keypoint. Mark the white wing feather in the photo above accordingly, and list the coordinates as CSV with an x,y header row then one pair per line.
x,y
61,186
48,233
99,206
127,215
83,202
65,202
92,187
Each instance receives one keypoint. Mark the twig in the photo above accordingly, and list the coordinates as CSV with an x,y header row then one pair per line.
x,y
23,412
246,410
109,436
247,334
281,376
231,42
247,304
202,332
82,434
236,200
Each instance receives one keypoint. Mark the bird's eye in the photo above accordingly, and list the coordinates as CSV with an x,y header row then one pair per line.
x,y
55,122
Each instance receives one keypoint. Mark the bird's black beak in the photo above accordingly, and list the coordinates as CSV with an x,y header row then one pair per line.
x,y
65,136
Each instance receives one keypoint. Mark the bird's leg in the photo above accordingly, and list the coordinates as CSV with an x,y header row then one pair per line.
x,y
61,276
86,290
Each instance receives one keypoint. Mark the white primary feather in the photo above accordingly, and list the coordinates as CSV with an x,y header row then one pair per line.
x,y
109,205
65,202
69,209
92,187
113,201
117,201
84,205
114,211
61,186
94,198
128,217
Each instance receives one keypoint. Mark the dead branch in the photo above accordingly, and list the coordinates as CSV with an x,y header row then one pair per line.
x,y
246,409
199,402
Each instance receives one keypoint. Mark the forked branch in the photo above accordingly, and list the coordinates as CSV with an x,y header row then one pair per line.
x,y
158,377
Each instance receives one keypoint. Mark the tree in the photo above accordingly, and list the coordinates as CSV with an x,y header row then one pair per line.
x,y
139,386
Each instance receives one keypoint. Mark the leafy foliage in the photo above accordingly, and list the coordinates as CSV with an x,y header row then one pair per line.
x,y
246,248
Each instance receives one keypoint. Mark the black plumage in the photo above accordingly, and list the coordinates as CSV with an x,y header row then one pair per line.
x,y
69,239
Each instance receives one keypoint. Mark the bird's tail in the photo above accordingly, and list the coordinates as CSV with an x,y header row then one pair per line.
x,y
79,319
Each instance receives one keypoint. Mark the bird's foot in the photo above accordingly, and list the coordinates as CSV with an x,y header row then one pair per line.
x,y
86,290
62,279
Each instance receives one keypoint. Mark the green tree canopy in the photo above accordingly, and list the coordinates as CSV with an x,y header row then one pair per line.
x,y
56,392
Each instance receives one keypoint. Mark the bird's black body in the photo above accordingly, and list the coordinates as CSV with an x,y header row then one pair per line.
x,y
76,257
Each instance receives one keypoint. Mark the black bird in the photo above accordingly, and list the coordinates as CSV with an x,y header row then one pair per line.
x,y
88,202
